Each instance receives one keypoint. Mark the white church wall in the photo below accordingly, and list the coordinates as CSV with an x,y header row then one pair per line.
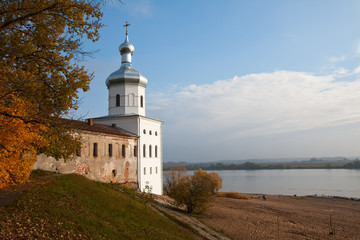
x,y
130,99
150,167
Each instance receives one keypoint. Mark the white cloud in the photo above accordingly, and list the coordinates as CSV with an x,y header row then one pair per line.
x,y
357,70
334,59
341,72
277,114
261,104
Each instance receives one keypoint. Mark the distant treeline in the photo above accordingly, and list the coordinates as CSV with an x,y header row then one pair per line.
x,y
255,166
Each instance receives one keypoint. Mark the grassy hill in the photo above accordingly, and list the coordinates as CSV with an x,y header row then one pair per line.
x,y
73,207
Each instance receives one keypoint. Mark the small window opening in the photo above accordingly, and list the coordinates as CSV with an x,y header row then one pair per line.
x,y
114,172
150,170
144,150
141,101
156,171
135,151
110,150
150,132
117,100
144,171
123,150
155,133
95,150
144,131
150,152
156,151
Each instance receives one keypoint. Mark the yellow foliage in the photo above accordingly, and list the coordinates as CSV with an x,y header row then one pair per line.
x,y
216,179
40,78
194,191
17,138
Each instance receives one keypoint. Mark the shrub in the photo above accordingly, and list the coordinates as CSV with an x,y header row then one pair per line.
x,y
194,191
233,195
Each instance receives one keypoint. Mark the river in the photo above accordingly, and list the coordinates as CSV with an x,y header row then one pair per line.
x,y
300,182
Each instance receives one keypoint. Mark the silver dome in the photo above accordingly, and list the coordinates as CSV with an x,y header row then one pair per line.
x,y
126,74
126,47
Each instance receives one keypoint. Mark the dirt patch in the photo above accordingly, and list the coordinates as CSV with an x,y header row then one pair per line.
x,y
199,230
281,217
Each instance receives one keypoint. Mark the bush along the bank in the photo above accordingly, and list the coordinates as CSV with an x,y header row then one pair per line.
x,y
195,192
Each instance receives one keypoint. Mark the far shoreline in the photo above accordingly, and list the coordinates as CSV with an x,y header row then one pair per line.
x,y
259,195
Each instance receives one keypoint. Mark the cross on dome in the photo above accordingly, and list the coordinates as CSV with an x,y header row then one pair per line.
x,y
126,25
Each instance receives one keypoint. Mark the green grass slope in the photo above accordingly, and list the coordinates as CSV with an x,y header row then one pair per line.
x,y
73,207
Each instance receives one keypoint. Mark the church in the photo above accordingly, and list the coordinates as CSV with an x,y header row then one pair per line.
x,y
125,146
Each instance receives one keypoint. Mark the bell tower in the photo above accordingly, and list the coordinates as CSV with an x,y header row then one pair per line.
x,y
126,85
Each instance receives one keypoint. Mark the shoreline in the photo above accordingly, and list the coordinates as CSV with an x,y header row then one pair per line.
x,y
295,195
285,217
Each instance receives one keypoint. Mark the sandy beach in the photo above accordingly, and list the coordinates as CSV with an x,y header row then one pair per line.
x,y
285,217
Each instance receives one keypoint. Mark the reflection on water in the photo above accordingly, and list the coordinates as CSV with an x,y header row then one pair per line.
x,y
329,182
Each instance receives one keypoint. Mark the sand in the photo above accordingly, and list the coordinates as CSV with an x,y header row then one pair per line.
x,y
284,217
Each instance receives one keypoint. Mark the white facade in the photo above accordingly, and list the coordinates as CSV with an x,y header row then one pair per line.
x,y
130,99
127,110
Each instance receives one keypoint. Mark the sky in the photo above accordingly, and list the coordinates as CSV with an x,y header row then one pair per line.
x,y
237,80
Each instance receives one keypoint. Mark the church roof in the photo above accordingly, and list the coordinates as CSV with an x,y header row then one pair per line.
x,y
126,74
96,127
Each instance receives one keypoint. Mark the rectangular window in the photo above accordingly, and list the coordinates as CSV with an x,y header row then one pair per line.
x,y
144,171
156,170
110,150
150,170
95,150
123,150
135,151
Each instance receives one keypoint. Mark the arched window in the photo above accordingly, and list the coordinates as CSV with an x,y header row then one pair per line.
x,y
150,150
131,99
110,150
141,101
123,150
117,100
135,151
95,150
156,151
144,150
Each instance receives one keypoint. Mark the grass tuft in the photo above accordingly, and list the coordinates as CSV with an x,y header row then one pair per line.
x,y
233,195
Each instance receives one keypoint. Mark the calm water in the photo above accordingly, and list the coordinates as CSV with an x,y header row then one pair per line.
x,y
329,182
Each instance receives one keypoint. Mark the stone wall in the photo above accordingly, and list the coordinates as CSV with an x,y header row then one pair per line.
x,y
102,164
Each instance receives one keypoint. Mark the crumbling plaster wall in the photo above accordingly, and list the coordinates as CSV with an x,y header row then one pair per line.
x,y
104,168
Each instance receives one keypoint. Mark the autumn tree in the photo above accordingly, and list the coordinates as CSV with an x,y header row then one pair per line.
x,y
40,78
195,192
